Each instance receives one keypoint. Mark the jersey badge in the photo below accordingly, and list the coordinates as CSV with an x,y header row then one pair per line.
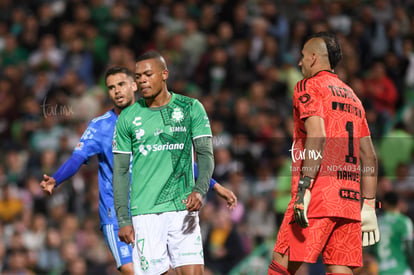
x,y
158,132
177,115
79,146
304,98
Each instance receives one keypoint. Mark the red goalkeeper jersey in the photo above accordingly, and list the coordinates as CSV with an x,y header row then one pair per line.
x,y
336,191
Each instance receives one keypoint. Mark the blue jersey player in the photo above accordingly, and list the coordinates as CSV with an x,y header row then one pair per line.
x,y
97,140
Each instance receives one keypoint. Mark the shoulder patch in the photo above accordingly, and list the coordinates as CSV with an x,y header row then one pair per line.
x,y
301,85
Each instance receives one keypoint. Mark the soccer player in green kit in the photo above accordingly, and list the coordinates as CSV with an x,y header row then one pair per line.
x,y
394,252
161,131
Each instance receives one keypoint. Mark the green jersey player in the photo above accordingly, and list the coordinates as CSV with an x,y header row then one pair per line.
x,y
395,250
161,131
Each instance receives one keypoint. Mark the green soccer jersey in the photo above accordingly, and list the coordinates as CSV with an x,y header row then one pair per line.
x,y
160,140
395,229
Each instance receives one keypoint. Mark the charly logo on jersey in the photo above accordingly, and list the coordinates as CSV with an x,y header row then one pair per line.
x,y
177,115
137,121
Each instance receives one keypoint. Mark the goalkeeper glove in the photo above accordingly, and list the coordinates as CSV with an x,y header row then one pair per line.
x,y
303,197
369,225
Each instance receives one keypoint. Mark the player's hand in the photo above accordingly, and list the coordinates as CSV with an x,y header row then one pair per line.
x,y
303,197
194,201
226,194
369,224
47,184
127,234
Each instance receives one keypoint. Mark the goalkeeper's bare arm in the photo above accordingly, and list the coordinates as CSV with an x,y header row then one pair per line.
x,y
369,224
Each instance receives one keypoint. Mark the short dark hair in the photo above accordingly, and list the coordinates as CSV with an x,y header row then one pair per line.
x,y
153,55
119,70
332,45
391,198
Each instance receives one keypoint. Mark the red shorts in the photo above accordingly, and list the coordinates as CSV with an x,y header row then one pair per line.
x,y
338,239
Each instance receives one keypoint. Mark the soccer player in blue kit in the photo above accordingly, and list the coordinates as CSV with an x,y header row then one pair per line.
x,y
97,140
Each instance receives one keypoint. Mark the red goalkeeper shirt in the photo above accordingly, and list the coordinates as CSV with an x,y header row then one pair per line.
x,y
336,191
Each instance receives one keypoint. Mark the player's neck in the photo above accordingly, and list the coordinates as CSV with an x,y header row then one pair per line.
x,y
117,110
319,69
161,99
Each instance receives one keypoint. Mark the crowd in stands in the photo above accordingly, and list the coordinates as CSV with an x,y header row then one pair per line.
x,y
239,58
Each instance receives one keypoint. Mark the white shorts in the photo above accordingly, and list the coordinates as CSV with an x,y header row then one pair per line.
x,y
161,241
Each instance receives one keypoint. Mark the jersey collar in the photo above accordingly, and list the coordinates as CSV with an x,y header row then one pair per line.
x,y
325,72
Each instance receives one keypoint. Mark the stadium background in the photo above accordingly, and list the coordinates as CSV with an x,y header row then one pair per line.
x,y
239,58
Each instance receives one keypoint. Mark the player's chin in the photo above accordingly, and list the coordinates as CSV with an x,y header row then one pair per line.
x,y
122,105
147,95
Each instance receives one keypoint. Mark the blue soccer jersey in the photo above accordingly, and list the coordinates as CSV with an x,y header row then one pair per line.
x,y
97,140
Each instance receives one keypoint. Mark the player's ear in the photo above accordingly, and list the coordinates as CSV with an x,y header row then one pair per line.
x,y
314,59
164,75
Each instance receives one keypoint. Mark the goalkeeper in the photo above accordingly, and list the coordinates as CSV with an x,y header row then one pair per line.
x,y
334,170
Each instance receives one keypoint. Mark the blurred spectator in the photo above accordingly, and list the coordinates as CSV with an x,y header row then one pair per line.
x,y
408,49
382,91
215,75
261,222
49,257
403,185
11,206
2,256
224,164
127,37
278,23
240,21
269,57
239,67
194,44
257,38
8,111
34,238
395,250
242,154
28,121
223,246
337,19
16,168
48,56
47,136
80,60
77,266
28,38
98,46
32,195
282,194
13,53
396,147
18,263
221,137
48,21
